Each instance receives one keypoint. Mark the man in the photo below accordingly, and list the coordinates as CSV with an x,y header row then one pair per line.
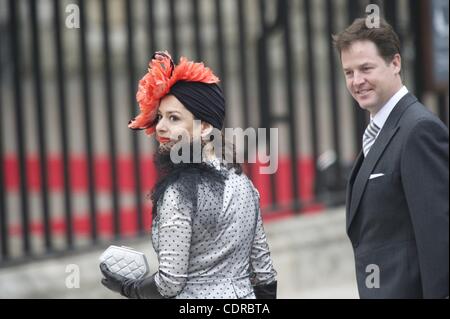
x,y
397,194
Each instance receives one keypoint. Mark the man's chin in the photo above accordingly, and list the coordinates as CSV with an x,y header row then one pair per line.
x,y
366,105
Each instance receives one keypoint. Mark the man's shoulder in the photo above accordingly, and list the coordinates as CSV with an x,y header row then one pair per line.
x,y
416,114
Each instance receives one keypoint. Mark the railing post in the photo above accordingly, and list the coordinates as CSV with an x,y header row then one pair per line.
x,y
86,85
64,123
16,54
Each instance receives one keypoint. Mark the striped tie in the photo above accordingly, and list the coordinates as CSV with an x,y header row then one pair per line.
x,y
369,136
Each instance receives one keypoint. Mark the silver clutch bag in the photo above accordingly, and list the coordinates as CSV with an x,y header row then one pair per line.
x,y
125,261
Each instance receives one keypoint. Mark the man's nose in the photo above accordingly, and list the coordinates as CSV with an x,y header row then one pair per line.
x,y
358,78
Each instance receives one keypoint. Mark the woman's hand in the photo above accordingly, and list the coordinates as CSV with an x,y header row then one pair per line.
x,y
268,291
131,288
112,281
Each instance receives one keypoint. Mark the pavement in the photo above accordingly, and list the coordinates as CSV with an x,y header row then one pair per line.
x,y
311,254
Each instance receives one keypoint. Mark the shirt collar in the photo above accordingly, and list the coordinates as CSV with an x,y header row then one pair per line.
x,y
381,117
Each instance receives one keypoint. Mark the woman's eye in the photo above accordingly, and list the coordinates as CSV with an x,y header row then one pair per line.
x,y
172,118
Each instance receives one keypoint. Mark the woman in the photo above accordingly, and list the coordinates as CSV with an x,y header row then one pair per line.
x,y
207,229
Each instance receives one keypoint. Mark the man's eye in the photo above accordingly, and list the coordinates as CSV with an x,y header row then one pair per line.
x,y
158,118
173,118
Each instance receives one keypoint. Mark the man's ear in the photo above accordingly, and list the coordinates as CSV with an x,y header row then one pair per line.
x,y
206,129
397,62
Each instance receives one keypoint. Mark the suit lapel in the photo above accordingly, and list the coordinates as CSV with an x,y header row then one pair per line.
x,y
388,131
366,168
351,181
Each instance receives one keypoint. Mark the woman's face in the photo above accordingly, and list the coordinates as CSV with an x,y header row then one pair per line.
x,y
173,120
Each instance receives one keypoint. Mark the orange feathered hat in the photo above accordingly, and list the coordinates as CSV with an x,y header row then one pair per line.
x,y
161,76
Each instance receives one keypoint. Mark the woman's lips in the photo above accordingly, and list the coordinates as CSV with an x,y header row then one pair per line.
x,y
163,139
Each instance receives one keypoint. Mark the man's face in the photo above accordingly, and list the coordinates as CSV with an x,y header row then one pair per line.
x,y
369,78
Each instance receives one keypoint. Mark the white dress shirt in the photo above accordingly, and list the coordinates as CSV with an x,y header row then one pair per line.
x,y
381,117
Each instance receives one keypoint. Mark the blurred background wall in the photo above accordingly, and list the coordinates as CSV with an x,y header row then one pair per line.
x,y
74,178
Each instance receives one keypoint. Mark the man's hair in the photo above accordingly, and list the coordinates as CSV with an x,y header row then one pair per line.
x,y
384,37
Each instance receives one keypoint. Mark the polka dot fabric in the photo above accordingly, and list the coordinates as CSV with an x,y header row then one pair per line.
x,y
218,251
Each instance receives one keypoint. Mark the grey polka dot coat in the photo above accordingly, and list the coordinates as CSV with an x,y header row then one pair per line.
x,y
221,251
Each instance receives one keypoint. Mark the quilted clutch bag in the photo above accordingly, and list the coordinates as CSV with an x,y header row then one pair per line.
x,y
125,261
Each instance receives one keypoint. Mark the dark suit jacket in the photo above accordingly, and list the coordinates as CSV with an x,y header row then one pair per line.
x,y
399,221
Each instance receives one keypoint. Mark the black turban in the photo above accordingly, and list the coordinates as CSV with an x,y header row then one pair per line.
x,y
205,101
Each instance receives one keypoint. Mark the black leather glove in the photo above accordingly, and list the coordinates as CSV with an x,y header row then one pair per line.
x,y
268,291
144,288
